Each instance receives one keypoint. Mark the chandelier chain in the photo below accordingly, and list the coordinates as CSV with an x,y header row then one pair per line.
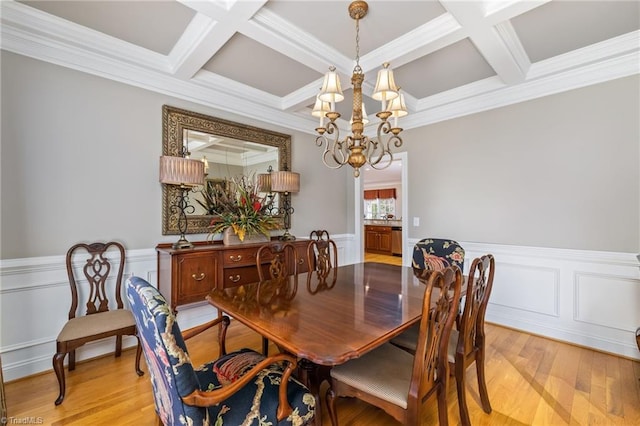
x,y
357,68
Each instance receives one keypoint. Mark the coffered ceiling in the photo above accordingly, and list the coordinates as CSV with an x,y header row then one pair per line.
x,y
266,59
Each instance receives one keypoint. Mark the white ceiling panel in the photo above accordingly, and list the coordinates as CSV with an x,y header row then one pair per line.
x,y
444,69
256,65
562,26
154,25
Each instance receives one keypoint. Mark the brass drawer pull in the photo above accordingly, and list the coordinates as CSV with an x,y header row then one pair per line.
x,y
199,277
234,279
300,261
237,258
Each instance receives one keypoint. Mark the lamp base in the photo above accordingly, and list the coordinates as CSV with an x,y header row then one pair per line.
x,y
286,236
182,243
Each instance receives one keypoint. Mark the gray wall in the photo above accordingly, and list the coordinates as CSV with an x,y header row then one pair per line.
x,y
560,171
79,162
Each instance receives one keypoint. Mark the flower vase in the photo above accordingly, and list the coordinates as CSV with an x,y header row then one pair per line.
x,y
229,238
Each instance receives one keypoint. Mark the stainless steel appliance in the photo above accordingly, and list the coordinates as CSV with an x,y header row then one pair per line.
x,y
396,240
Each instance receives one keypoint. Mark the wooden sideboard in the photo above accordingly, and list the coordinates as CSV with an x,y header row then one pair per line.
x,y
188,275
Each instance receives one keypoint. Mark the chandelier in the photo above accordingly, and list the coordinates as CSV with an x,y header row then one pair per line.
x,y
357,149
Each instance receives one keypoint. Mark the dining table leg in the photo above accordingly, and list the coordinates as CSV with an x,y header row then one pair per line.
x,y
312,375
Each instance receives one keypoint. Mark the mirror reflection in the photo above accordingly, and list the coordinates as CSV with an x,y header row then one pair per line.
x,y
224,159
230,150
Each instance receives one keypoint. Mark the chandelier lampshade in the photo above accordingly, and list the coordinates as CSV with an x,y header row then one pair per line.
x,y
320,109
331,91
357,149
385,89
398,108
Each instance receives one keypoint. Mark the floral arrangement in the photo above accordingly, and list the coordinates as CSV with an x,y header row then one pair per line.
x,y
237,204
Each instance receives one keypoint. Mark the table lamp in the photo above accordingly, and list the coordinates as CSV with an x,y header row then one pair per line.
x,y
285,182
185,174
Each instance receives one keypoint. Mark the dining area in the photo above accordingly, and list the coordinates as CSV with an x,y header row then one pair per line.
x,y
530,379
343,331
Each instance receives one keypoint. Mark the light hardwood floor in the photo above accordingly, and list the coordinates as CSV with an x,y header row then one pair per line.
x,y
382,258
531,381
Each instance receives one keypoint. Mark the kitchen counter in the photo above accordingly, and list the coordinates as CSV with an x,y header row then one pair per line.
x,y
382,222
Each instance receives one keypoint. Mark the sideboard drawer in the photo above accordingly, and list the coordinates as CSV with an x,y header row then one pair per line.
x,y
240,256
238,276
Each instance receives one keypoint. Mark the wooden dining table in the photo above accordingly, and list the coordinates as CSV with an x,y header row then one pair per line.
x,y
326,323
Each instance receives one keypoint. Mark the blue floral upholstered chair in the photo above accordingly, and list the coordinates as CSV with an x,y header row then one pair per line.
x,y
242,387
430,254
437,254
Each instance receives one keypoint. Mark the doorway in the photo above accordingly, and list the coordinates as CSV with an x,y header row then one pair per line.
x,y
390,176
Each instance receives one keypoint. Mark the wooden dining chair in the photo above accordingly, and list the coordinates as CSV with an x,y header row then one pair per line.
x,y
277,264
104,316
241,387
466,344
322,258
397,381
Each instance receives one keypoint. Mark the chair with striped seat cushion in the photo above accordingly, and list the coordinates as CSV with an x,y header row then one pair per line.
x,y
395,380
242,387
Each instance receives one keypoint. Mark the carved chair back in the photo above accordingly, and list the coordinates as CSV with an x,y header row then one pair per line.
x,y
480,284
322,258
467,342
282,260
96,274
277,265
431,367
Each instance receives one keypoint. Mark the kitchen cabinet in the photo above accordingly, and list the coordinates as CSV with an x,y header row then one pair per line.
x,y
377,239
372,194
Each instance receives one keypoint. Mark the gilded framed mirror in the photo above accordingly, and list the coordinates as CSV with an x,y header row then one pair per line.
x,y
229,149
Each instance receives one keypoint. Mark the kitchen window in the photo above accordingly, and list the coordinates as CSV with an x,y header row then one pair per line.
x,y
379,208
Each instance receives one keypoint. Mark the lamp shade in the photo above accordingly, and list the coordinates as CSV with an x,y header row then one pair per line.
x,y
264,182
284,181
398,108
386,88
181,171
320,108
331,90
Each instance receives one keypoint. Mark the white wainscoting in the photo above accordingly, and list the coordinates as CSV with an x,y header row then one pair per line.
x,y
35,300
585,297
588,298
